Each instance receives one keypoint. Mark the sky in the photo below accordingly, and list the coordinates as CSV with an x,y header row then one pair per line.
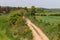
x,y
29,3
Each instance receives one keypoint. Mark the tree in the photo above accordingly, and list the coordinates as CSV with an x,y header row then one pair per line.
x,y
15,15
26,9
23,12
39,10
33,10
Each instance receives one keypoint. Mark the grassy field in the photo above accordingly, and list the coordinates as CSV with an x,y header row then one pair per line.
x,y
52,13
51,19
49,24
5,33
3,28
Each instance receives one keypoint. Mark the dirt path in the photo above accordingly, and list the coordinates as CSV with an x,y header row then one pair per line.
x,y
37,32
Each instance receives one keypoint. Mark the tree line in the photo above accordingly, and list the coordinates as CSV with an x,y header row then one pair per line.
x,y
33,9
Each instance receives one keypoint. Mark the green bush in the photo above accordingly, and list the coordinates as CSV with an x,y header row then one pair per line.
x,y
14,17
18,28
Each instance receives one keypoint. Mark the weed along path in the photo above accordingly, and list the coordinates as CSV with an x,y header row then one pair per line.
x,y
37,32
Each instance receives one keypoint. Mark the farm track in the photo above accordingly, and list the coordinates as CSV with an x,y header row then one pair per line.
x,y
37,32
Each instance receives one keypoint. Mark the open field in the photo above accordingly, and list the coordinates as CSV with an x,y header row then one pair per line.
x,y
49,24
52,13
3,28
51,19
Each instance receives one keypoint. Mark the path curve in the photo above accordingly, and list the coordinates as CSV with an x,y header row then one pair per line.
x,y
37,32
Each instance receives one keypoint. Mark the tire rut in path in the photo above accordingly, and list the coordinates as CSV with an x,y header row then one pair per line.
x,y
37,32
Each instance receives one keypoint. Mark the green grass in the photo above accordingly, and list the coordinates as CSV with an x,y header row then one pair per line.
x,y
51,29
5,33
52,13
51,19
3,28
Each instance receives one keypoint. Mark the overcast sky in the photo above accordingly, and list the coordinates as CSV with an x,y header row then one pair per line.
x,y
29,3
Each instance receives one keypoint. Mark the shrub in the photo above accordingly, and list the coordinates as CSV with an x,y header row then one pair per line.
x,y
41,20
48,23
43,15
54,15
14,17
16,20
18,27
59,24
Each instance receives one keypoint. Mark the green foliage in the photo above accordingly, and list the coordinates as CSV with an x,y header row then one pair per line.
x,y
13,27
49,24
16,16
32,10
39,10
4,32
18,28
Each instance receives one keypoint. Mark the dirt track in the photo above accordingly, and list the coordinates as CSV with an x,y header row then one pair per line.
x,y
37,32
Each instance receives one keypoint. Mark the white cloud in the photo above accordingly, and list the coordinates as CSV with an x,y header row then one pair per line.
x,y
28,3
